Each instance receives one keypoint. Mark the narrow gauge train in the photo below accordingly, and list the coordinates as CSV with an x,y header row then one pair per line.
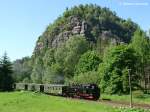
x,y
87,91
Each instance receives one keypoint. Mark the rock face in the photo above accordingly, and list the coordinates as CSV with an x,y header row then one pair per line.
x,y
83,28
108,36
61,38
40,45
77,27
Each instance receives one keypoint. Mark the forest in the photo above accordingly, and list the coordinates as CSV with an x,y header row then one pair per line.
x,y
87,44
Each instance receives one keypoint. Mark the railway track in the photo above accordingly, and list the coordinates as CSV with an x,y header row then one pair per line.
x,y
124,104
118,103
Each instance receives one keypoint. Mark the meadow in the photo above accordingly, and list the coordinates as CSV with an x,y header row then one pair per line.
x,y
37,102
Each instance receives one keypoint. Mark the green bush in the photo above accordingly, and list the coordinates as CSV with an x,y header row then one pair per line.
x,y
90,77
89,61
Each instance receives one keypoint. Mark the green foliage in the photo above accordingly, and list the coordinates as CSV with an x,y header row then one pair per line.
x,y
90,77
37,71
53,74
22,69
60,63
69,54
26,80
60,54
48,59
113,70
54,65
75,47
102,19
141,44
6,80
89,61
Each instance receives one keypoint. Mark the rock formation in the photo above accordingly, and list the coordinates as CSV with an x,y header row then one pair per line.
x,y
78,28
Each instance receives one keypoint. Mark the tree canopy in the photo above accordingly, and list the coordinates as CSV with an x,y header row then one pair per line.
x,y
114,69
89,61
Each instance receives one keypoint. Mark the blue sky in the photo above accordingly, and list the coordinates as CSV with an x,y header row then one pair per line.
x,y
22,21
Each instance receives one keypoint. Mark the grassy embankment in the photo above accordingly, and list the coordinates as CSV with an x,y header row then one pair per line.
x,y
138,97
36,102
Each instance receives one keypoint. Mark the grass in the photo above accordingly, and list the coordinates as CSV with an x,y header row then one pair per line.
x,y
138,97
36,102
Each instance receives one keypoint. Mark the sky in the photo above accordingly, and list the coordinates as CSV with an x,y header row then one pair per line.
x,y
23,21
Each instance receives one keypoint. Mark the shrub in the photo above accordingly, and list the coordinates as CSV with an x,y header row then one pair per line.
x,y
90,77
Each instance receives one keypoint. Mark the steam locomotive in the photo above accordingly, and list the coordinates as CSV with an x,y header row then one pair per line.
x,y
85,91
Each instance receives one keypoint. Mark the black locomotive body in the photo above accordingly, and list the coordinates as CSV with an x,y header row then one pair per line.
x,y
88,91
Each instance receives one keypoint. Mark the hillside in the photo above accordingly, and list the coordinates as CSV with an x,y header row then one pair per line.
x,y
92,21
100,28
88,44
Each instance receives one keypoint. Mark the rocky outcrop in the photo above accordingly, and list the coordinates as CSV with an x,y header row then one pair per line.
x,y
83,28
108,36
61,38
78,28
39,46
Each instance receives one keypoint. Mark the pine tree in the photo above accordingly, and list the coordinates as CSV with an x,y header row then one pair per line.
x,y
6,80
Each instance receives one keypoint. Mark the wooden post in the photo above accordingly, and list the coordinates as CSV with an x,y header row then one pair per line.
x,y
130,85
148,83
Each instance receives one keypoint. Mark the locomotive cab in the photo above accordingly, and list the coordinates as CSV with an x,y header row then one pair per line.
x,y
87,91
95,91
